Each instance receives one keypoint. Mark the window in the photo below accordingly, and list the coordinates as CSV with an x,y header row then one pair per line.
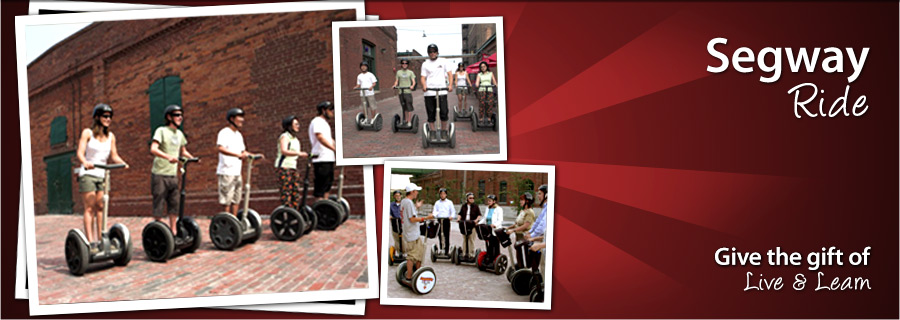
x,y
369,57
163,92
502,196
58,130
480,189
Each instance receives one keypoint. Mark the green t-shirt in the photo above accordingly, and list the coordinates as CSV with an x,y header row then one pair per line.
x,y
287,162
170,142
485,81
405,79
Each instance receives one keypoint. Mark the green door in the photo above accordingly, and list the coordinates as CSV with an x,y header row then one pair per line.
x,y
59,183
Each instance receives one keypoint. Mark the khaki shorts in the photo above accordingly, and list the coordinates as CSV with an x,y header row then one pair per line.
x,y
369,101
415,250
229,189
89,183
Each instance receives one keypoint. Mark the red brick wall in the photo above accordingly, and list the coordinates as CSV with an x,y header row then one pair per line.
x,y
453,181
272,65
351,41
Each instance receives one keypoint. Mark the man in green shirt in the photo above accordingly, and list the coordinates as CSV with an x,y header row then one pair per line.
x,y
168,143
405,81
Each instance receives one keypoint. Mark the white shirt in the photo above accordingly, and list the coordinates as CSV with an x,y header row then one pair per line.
x,y
234,142
435,73
96,152
320,125
496,217
444,209
366,80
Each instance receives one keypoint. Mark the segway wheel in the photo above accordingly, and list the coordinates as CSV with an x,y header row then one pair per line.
x,y
401,273
225,231
312,220
494,121
193,229
344,204
454,114
286,223
521,282
359,120
378,122
425,137
431,254
159,243
77,253
500,264
509,274
479,261
452,139
396,123
537,294
329,214
119,232
415,124
474,123
424,280
255,224
454,256
478,253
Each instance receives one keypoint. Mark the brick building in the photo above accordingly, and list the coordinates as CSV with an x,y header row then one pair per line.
x,y
272,65
506,185
478,39
378,47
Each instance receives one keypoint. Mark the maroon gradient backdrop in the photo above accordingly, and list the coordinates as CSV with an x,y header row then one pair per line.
x,y
659,162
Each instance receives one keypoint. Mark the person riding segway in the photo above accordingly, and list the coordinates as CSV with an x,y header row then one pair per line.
x,y
404,83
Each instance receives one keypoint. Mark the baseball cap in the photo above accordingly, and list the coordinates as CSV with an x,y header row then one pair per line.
x,y
412,187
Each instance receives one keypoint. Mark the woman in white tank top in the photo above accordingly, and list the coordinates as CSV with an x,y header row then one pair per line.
x,y
462,86
97,145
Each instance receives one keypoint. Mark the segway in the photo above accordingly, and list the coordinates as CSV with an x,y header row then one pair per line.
x,y
486,123
518,274
114,244
363,124
423,279
537,283
430,135
332,212
437,252
464,114
289,224
159,242
461,254
395,254
497,263
400,124
227,231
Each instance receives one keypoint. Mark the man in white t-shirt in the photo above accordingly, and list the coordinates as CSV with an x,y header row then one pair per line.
x,y
436,74
232,151
323,146
366,81
443,210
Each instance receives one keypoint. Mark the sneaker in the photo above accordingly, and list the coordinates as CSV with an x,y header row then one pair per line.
x,y
95,247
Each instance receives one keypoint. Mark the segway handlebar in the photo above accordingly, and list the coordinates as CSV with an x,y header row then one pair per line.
x,y
437,89
254,156
188,160
110,166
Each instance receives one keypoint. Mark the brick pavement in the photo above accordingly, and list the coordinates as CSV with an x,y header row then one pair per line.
x,y
321,260
385,143
457,282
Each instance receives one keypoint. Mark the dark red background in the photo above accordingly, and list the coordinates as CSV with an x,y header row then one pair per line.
x,y
659,162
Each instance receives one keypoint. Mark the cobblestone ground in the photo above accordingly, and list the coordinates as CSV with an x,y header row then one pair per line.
x,y
321,260
386,143
458,282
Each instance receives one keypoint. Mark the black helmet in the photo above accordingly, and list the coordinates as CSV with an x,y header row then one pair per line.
x,y
101,108
528,197
432,47
396,192
287,122
444,190
543,188
172,108
404,60
459,64
363,64
469,194
233,112
324,105
492,197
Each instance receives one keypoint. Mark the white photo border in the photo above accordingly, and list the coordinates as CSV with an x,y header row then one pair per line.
x,y
35,307
385,235
501,87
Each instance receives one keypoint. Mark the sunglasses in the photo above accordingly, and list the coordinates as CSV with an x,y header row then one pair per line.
x,y
177,114
106,116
